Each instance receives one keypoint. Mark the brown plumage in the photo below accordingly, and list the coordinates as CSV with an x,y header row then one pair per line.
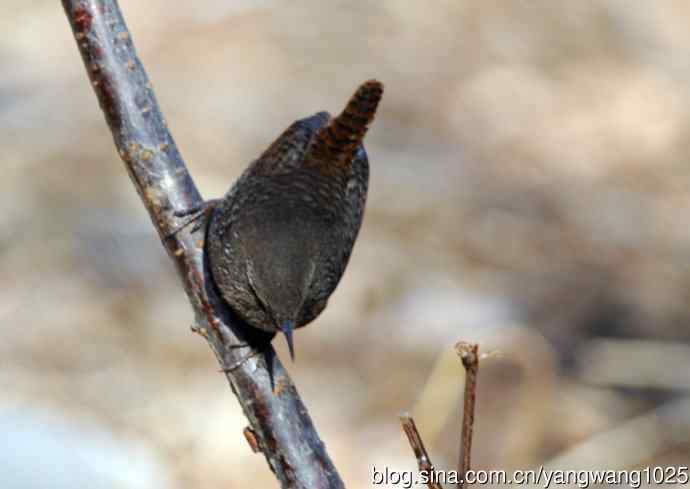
x,y
279,241
336,142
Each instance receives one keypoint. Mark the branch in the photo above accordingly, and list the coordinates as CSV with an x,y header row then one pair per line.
x,y
279,423
424,463
468,353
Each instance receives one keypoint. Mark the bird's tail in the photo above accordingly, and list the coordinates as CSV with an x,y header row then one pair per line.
x,y
343,134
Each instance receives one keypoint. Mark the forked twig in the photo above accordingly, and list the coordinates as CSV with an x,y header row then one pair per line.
x,y
469,354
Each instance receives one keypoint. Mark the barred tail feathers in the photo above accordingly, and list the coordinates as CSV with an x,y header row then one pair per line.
x,y
344,133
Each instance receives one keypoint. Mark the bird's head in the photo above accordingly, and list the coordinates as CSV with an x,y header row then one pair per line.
x,y
280,278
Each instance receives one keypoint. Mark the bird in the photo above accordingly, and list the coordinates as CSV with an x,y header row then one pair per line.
x,y
279,240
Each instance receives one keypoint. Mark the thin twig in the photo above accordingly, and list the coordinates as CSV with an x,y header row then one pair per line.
x,y
469,354
426,467
279,420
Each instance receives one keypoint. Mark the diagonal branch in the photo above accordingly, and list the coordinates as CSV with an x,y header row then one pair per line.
x,y
280,425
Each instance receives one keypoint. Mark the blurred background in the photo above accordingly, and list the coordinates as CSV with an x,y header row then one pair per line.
x,y
529,191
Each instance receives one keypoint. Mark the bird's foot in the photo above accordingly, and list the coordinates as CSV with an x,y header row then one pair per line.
x,y
197,212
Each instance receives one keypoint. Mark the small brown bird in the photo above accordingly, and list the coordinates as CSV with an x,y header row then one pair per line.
x,y
279,241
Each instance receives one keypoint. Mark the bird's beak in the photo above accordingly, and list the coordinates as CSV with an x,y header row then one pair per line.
x,y
287,327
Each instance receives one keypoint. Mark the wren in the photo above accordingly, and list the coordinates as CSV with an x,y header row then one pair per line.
x,y
279,241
